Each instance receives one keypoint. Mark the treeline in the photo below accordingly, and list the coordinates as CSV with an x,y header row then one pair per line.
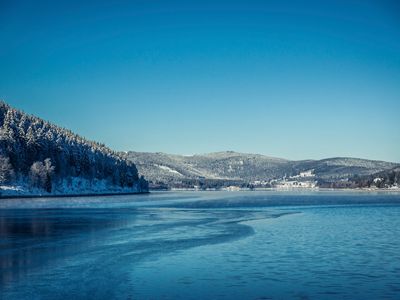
x,y
201,184
383,179
45,154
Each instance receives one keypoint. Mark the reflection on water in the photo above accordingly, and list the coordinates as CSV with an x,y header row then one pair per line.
x,y
202,245
32,238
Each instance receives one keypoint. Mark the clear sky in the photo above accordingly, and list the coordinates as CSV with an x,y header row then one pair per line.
x,y
293,79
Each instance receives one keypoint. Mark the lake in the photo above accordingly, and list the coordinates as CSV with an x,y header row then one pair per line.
x,y
202,245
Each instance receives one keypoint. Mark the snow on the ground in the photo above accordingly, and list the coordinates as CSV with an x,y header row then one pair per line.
x,y
71,186
10,188
165,168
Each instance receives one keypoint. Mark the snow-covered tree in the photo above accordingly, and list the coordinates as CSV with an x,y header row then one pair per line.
x,y
29,141
6,170
41,174
37,174
49,170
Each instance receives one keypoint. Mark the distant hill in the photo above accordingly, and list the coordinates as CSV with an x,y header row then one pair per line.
x,y
342,167
215,169
38,157
384,179
227,168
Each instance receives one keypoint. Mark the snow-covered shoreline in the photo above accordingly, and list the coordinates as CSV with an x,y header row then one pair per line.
x,y
69,195
280,190
68,188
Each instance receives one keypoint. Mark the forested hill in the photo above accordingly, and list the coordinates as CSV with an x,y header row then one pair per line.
x,y
39,157
385,179
228,168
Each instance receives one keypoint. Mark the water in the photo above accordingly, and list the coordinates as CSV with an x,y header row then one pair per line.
x,y
205,245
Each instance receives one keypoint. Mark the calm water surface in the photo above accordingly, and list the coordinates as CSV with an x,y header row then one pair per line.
x,y
202,245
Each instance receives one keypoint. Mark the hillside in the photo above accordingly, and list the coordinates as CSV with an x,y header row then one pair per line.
x,y
384,179
38,157
226,168
211,170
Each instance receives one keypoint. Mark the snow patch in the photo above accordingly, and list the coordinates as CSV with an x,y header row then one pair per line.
x,y
68,186
165,168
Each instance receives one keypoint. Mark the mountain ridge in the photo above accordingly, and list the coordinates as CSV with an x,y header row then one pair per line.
x,y
173,170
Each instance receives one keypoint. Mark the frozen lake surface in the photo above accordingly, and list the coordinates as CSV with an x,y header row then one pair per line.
x,y
202,245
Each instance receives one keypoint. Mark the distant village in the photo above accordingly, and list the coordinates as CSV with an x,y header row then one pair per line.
x,y
304,180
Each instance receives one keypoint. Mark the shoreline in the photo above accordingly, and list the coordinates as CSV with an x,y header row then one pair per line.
x,y
72,195
300,190
284,190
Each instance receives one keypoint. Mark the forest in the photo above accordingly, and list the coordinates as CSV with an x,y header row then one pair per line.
x,y
41,155
384,179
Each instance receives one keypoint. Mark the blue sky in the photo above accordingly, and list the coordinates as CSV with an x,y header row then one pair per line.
x,y
293,79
